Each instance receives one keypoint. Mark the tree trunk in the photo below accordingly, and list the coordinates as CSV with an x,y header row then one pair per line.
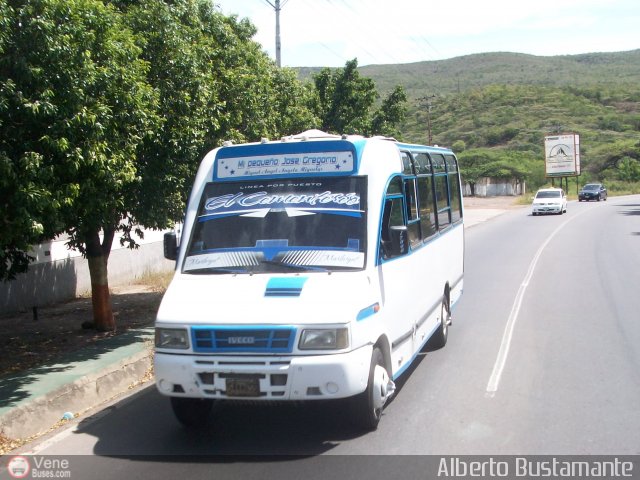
x,y
98,257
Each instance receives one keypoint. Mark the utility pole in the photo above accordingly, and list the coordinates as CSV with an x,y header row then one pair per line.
x,y
277,7
428,100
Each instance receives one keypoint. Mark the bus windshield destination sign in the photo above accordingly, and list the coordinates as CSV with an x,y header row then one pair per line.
x,y
286,164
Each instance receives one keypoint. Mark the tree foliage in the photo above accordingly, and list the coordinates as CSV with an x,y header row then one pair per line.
x,y
345,103
388,118
106,110
74,106
214,83
476,164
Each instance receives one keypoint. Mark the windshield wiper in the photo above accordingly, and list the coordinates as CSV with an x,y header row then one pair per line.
x,y
294,266
216,270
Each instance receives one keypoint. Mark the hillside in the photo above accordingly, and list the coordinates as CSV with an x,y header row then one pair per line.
x,y
495,109
474,71
458,74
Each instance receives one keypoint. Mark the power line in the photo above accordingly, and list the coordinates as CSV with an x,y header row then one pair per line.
x,y
355,16
384,20
346,19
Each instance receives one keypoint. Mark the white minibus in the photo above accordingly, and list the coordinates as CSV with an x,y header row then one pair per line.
x,y
315,267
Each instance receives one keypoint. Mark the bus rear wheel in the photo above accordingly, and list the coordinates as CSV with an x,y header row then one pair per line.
x,y
441,335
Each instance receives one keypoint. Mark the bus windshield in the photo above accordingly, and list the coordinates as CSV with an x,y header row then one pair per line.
x,y
280,225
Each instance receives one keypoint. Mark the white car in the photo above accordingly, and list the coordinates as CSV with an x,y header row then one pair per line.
x,y
549,200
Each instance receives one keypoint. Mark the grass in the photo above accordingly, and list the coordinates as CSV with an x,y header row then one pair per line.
x,y
158,281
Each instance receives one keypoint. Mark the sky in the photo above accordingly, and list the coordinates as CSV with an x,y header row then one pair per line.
x,y
328,33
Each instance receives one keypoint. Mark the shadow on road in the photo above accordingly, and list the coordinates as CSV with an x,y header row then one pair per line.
x,y
144,425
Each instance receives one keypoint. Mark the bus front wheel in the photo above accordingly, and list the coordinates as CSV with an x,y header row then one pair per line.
x,y
367,406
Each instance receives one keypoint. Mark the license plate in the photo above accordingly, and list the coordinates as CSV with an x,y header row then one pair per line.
x,y
243,387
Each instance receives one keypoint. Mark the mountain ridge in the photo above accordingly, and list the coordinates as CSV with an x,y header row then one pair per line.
x,y
477,70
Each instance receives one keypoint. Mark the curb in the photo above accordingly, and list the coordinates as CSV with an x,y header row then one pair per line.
x,y
36,416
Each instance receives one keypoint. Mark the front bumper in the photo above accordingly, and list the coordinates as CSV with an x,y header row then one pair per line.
x,y
288,378
588,197
539,209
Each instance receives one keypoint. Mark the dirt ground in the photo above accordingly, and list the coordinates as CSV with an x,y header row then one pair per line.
x,y
27,342
493,202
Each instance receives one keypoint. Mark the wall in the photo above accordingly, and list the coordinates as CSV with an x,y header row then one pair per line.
x,y
58,274
493,187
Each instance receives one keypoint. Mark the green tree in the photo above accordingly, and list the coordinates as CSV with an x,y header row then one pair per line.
x,y
214,83
108,110
482,163
459,146
178,41
75,106
292,102
345,102
390,115
629,170
473,165
609,155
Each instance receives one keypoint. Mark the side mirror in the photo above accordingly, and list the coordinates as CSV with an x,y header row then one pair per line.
x,y
170,246
399,240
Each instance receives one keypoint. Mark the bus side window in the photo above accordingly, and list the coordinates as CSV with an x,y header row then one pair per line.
x,y
393,234
407,167
392,225
454,188
441,184
427,211
413,217
426,201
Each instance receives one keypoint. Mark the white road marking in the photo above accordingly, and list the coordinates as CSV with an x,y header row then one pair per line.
x,y
505,345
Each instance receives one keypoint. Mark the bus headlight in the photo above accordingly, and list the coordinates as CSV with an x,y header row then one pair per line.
x,y
172,338
324,339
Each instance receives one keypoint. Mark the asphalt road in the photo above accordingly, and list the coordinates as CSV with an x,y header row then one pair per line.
x,y
543,358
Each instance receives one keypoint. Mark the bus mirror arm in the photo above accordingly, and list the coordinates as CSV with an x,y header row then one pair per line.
x,y
399,240
170,246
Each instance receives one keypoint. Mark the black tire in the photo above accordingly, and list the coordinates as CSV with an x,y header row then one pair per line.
x,y
439,338
365,415
192,412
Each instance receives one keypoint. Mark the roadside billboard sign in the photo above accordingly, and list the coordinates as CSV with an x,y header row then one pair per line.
x,y
562,155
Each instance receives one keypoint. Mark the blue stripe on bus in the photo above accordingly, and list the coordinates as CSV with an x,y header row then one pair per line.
x,y
285,286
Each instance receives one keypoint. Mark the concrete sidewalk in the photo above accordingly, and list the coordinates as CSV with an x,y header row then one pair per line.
x,y
475,216
33,401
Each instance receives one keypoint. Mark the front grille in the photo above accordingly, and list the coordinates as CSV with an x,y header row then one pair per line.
x,y
243,340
